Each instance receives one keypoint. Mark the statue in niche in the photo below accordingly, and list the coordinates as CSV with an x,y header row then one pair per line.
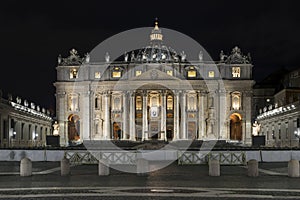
x,y
72,103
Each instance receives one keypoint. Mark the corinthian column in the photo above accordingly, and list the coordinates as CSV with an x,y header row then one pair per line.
x,y
163,135
125,115
183,114
176,115
107,116
201,117
145,116
132,116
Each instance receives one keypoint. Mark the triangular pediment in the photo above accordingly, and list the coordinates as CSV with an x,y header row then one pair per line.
x,y
154,74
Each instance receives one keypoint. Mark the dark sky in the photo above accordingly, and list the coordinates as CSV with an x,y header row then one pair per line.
x,y
34,33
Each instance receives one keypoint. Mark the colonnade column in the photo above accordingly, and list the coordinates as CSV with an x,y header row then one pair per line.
x,y
132,116
106,116
176,115
125,115
145,116
163,132
183,114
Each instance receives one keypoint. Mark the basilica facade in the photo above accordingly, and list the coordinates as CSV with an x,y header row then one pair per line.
x,y
154,93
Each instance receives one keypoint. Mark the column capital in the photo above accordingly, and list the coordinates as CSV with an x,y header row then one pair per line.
x,y
132,93
145,93
164,92
202,93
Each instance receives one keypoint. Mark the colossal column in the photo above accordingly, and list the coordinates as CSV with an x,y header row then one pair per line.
x,y
145,116
125,115
176,115
163,131
107,116
62,119
132,116
183,114
201,116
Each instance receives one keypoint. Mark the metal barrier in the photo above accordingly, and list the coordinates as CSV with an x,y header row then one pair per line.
x,y
191,158
93,157
80,157
129,157
198,157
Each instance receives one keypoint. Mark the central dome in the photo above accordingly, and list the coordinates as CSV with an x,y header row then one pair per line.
x,y
156,51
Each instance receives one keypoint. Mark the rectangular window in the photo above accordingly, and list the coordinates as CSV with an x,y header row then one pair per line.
x,y
138,102
279,134
138,72
192,73
116,74
211,74
97,75
170,72
236,72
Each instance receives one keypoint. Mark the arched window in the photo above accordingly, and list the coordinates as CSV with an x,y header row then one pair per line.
x,y
97,102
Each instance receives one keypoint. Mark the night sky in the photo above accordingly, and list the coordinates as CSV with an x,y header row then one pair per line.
x,y
34,33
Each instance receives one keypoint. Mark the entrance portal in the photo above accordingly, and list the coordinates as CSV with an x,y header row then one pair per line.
x,y
235,126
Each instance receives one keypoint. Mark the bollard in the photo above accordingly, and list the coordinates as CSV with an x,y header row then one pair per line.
x,y
64,167
253,167
293,168
103,168
25,167
214,168
142,167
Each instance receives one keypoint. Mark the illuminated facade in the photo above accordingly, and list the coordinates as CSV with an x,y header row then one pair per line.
x,y
144,96
23,124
